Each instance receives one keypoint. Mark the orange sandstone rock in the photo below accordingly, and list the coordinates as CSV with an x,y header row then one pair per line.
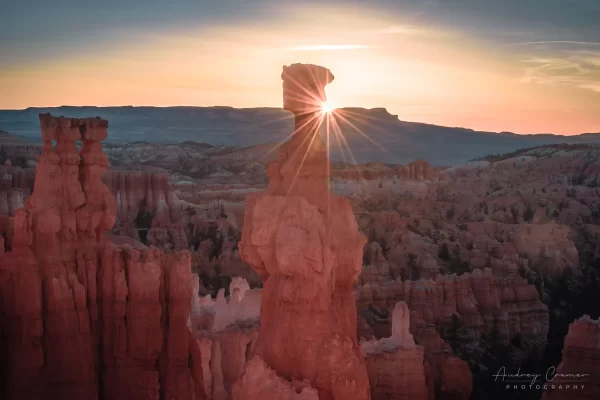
x,y
80,316
395,364
306,244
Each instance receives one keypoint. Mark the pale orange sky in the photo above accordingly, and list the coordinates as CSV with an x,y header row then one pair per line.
x,y
421,72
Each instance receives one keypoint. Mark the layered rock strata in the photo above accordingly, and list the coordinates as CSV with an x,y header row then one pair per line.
x,y
80,316
461,309
483,302
306,244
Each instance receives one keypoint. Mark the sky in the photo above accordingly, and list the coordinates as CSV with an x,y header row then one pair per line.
x,y
513,65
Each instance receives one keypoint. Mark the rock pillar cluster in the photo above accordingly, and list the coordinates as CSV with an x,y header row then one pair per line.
x,y
306,244
145,202
82,318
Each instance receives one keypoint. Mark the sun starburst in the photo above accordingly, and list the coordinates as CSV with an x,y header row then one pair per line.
x,y
327,107
337,123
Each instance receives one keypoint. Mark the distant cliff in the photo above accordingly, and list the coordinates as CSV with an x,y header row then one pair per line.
x,y
371,134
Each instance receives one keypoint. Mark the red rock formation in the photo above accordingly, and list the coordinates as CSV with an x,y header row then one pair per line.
x,y
457,382
228,261
224,357
225,333
146,199
305,242
580,364
376,268
418,170
395,364
261,382
98,321
15,186
550,241
481,303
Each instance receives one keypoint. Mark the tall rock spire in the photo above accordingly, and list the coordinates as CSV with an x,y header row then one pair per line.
x,y
306,244
302,166
81,317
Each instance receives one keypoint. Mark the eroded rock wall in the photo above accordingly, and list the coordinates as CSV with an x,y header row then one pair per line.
x,y
461,309
98,321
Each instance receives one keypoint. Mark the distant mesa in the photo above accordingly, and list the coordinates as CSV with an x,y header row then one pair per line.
x,y
375,134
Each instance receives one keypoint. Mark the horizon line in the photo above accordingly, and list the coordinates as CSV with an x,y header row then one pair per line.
x,y
281,108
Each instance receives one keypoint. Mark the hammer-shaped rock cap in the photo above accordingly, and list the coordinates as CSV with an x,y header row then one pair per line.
x,y
304,87
307,73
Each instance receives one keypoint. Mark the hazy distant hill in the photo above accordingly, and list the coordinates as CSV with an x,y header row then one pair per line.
x,y
395,141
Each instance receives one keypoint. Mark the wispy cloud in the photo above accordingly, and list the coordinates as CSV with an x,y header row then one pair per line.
x,y
579,71
563,63
327,47
572,42
410,30
402,29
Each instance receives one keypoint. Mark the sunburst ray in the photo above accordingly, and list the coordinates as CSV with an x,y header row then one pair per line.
x,y
312,135
279,144
359,131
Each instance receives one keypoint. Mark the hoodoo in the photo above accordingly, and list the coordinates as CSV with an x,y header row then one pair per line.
x,y
305,243
80,317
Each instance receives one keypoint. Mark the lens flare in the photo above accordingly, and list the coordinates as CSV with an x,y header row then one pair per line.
x,y
327,107
335,121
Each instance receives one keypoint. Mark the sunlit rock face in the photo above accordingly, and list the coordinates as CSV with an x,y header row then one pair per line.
x,y
81,317
304,88
305,243
580,363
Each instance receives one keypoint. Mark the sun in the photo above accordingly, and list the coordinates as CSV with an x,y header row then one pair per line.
x,y
327,107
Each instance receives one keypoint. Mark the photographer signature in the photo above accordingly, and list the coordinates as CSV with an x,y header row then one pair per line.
x,y
550,376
